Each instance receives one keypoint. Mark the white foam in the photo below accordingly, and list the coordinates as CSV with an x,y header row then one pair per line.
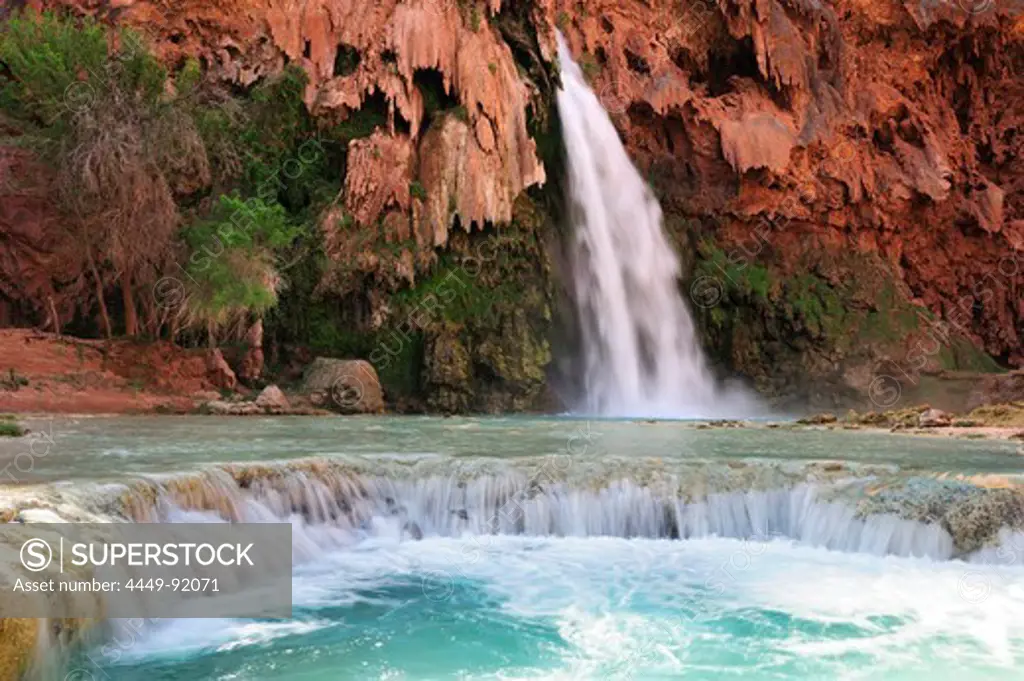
x,y
658,608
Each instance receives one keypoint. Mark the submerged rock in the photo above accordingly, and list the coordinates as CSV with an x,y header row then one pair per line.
x,y
818,419
413,530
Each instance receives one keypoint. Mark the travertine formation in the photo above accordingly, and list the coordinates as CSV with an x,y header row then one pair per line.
x,y
806,132
354,50
858,149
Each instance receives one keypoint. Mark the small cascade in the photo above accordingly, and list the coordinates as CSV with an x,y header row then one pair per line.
x,y
641,354
333,504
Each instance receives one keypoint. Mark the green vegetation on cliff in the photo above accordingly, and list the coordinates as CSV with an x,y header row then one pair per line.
x,y
820,328
185,199
199,208
231,271
468,336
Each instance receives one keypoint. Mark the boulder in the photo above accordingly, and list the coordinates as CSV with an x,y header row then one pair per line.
x,y
934,418
349,386
271,398
223,408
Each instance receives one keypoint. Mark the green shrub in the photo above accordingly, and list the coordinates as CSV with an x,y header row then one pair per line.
x,y
417,190
11,429
59,66
231,270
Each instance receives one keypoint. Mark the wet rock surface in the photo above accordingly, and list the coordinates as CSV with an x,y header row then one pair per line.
x,y
850,507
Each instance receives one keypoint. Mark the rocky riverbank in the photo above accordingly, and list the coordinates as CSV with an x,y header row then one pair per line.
x,y
48,373
1000,421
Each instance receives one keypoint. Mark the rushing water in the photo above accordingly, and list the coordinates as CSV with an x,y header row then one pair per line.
x,y
640,351
632,550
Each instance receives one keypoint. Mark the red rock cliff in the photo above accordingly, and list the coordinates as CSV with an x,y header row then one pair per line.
x,y
821,136
813,136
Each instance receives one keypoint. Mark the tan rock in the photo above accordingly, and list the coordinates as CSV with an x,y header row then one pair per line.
x,y
251,367
273,399
378,176
934,418
818,419
18,639
349,386
760,140
222,408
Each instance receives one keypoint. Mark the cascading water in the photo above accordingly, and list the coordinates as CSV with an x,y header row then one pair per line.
x,y
389,544
334,504
417,557
641,355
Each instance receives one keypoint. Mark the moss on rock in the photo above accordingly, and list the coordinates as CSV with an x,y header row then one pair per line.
x,y
817,330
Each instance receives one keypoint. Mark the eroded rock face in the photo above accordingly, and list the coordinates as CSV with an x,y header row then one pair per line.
x,y
448,372
251,367
34,249
857,165
219,371
1000,388
838,154
357,50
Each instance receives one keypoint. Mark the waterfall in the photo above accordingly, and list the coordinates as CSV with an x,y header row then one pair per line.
x,y
641,354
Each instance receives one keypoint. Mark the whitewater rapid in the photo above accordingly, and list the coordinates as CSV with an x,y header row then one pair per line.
x,y
566,609
564,567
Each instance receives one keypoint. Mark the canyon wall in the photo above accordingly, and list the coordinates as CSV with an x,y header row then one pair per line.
x,y
842,180
846,178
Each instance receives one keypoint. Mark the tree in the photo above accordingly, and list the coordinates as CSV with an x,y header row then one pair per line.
x,y
122,142
231,272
